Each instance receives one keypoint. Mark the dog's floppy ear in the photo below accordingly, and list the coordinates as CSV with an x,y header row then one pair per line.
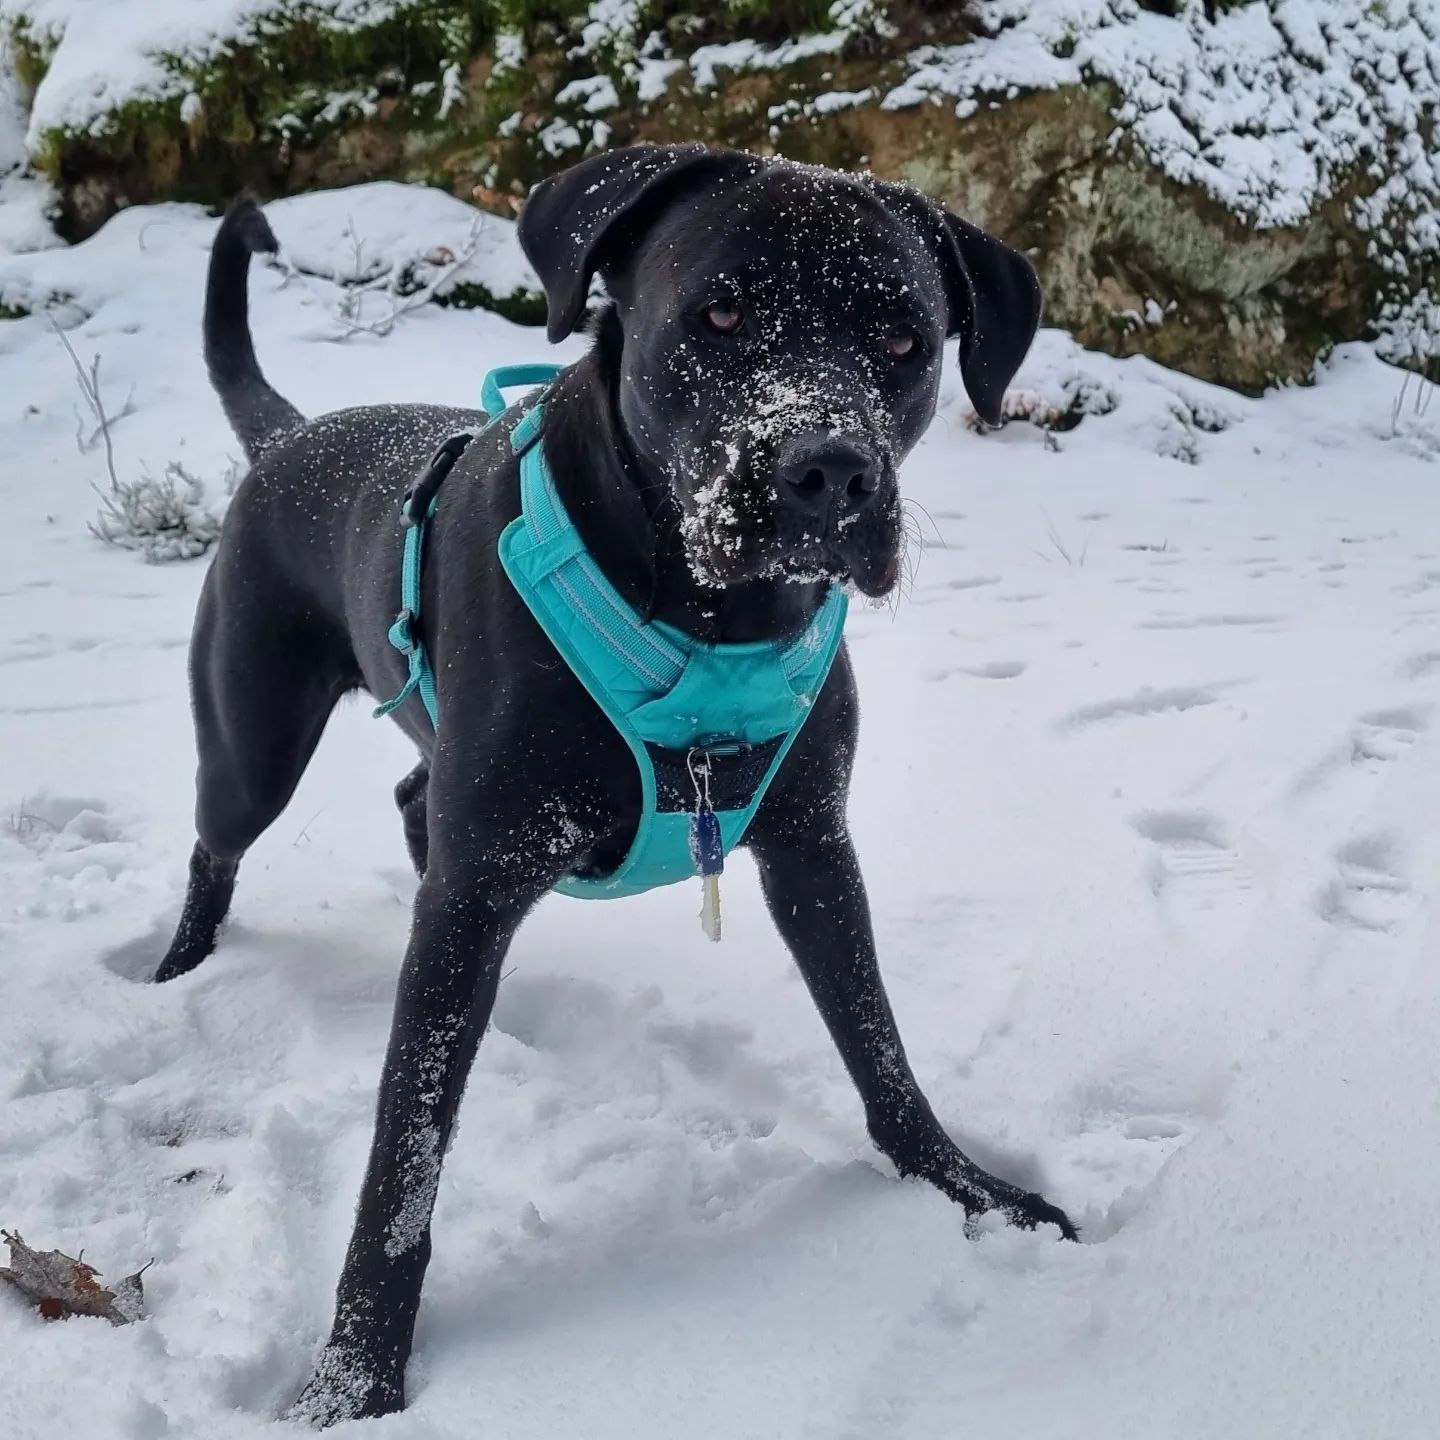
x,y
570,219
994,308
991,291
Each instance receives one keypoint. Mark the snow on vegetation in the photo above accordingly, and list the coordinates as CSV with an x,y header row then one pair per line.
x,y
383,242
1266,105
405,240
359,264
1146,798
102,55
1272,108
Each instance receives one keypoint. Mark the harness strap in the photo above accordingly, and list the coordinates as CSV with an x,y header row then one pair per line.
x,y
492,396
417,507
642,646
738,707
671,698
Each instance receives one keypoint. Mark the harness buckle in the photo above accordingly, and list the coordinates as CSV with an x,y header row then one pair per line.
x,y
402,632
416,502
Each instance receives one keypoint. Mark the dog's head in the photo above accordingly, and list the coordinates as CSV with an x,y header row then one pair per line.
x,y
781,329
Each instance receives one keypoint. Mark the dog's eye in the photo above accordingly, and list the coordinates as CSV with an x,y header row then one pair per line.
x,y
901,343
725,316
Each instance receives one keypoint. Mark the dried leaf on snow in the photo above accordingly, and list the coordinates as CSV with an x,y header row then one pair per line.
x,y
60,1285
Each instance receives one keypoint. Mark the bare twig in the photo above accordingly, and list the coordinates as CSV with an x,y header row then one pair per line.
x,y
352,305
1424,393
89,382
1397,408
357,248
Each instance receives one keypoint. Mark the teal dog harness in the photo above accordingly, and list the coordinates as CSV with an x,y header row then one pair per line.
x,y
708,725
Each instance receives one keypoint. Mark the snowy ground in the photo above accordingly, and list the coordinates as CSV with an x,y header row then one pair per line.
x,y
1146,800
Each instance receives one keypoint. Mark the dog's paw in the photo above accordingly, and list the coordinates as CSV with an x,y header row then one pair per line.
x,y
347,1386
979,1193
1022,1208
985,1196
1028,1211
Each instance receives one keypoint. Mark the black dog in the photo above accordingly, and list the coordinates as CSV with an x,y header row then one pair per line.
x,y
773,341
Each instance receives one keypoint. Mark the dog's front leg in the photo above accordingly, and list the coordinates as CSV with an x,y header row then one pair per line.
x,y
465,916
816,895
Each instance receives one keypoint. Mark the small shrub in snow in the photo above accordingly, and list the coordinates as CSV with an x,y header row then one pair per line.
x,y
1184,418
164,517
1057,403
1175,436
1204,415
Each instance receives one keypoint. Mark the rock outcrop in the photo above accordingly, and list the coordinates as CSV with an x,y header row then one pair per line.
x,y
1228,188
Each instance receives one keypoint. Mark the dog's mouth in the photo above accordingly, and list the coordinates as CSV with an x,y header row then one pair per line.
x,y
733,536
875,571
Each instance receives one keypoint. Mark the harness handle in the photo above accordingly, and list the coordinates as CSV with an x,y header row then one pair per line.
x,y
505,377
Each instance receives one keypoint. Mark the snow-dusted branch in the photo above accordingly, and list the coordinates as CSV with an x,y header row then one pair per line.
x,y
402,303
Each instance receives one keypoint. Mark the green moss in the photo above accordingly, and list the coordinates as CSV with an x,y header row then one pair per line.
x,y
769,19
297,73
524,307
302,100
31,51
288,73
12,312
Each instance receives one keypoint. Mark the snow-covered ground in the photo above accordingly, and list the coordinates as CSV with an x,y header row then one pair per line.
x,y
1147,802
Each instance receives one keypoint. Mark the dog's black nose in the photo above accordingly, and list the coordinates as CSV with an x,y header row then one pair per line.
x,y
821,472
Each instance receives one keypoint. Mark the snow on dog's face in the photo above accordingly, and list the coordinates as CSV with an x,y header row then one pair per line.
x,y
782,353
782,328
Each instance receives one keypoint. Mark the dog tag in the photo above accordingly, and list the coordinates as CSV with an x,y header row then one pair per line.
x,y
707,847
707,850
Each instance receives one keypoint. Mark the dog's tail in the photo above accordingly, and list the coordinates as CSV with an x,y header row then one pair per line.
x,y
258,414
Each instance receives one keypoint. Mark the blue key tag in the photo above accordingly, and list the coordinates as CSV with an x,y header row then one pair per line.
x,y
707,849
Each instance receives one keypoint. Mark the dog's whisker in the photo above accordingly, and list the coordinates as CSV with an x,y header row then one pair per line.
x,y
912,504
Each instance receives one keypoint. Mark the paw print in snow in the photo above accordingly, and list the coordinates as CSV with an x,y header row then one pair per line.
x,y
61,853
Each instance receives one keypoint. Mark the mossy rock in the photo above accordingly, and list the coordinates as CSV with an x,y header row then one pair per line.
x,y
1131,262
297,79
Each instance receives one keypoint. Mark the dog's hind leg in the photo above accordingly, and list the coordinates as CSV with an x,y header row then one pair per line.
x,y
410,797
207,901
263,687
